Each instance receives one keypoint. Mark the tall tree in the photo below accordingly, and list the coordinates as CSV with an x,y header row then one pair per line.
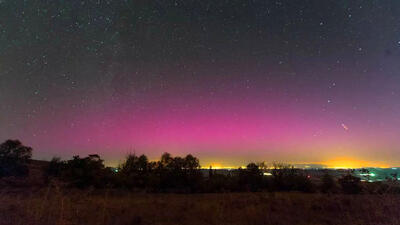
x,y
14,158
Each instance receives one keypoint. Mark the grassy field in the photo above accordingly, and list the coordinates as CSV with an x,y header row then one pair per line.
x,y
53,207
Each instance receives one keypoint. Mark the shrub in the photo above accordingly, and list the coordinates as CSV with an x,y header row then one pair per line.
x,y
328,183
287,178
350,184
251,178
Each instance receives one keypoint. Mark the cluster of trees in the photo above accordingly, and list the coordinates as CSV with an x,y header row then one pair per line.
x,y
169,174
137,172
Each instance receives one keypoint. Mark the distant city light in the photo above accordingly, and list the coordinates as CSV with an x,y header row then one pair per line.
x,y
368,174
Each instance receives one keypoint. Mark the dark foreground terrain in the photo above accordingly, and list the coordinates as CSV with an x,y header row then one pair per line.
x,y
55,207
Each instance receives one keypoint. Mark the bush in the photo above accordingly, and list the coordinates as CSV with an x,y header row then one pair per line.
x,y
55,167
303,183
217,183
328,183
350,184
134,172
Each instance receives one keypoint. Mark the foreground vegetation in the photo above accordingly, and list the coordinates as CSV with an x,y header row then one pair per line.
x,y
174,190
56,207
173,175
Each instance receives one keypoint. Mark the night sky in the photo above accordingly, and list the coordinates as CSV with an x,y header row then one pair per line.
x,y
299,81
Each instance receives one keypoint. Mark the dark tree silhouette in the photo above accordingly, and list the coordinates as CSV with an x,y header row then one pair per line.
x,y
193,178
14,158
191,163
166,159
170,173
179,173
85,172
134,171
283,176
288,178
251,178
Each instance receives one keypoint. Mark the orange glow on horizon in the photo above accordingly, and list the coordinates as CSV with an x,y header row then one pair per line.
x,y
348,163
219,166
335,163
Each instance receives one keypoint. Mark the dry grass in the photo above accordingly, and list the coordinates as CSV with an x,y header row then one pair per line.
x,y
56,207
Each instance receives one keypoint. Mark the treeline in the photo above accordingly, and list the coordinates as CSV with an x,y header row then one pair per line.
x,y
171,174
174,174
136,172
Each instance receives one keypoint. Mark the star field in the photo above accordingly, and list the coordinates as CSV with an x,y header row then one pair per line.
x,y
229,81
